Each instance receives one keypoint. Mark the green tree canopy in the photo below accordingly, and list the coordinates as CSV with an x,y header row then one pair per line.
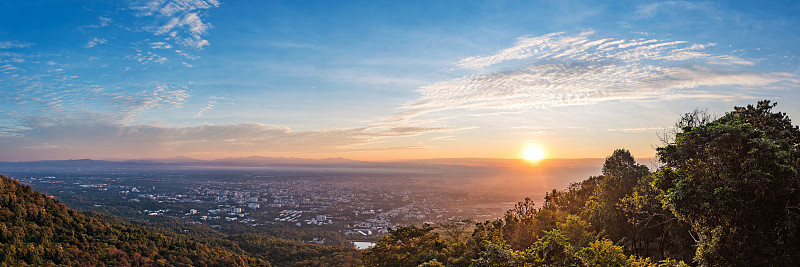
x,y
735,181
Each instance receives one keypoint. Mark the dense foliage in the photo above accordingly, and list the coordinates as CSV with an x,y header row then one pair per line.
x,y
574,227
735,181
726,195
283,252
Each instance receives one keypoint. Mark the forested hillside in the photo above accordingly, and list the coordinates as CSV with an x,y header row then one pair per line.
x,y
37,230
726,194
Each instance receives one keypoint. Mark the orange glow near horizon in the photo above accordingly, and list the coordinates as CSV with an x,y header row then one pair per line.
x,y
533,153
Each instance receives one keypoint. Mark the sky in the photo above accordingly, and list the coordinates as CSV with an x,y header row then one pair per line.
x,y
380,80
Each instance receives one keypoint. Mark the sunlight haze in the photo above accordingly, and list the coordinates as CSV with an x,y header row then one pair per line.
x,y
533,153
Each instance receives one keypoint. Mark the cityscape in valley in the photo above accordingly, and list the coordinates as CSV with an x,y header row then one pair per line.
x,y
360,204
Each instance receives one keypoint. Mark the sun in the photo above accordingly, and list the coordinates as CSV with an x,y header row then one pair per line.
x,y
533,153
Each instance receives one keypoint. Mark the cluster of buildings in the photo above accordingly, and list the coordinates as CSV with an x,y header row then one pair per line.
x,y
362,207
374,226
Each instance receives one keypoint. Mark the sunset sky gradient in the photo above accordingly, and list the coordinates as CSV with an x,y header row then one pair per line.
x,y
379,80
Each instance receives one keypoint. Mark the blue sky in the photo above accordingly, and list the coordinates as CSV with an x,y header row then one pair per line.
x,y
379,80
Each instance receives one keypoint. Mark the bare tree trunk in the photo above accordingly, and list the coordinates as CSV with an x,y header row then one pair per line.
x,y
661,243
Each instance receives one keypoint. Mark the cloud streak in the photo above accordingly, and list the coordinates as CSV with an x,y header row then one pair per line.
x,y
640,129
211,103
103,22
582,48
180,20
59,96
95,41
558,69
102,139
14,44
161,96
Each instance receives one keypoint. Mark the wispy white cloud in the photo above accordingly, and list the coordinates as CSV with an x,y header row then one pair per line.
x,y
178,6
186,55
651,9
160,45
288,44
12,60
163,96
7,67
14,44
559,69
641,129
102,22
212,101
730,60
95,41
582,48
58,95
148,57
180,20
50,91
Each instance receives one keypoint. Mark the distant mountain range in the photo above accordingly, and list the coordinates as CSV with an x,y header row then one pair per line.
x,y
548,173
277,162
